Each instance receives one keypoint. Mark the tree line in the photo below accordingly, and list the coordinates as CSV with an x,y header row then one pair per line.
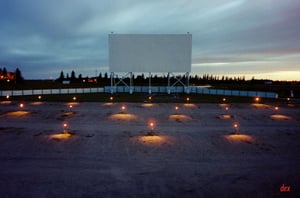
x,y
143,80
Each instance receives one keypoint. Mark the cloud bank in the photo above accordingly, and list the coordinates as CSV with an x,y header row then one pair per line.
x,y
229,37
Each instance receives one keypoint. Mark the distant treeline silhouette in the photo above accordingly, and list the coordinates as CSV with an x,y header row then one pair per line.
x,y
143,80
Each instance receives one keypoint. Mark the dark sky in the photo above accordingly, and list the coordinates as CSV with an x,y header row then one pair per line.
x,y
258,38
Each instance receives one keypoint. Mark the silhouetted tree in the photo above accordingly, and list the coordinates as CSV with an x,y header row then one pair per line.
x,y
4,72
19,77
73,77
61,76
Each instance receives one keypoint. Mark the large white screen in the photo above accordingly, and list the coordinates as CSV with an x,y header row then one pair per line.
x,y
150,52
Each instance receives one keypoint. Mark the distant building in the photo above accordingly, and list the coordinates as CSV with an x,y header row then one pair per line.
x,y
9,76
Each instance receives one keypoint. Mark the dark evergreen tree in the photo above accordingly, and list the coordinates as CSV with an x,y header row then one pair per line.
x,y
19,77
61,76
73,77
4,72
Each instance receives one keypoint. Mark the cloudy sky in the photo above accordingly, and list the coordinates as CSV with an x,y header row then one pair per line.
x,y
258,38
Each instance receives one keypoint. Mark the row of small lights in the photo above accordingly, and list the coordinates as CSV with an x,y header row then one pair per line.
x,y
151,123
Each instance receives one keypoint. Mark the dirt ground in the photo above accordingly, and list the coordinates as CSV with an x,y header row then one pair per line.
x,y
107,151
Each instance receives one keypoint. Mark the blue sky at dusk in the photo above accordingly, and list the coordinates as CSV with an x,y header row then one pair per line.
x,y
258,38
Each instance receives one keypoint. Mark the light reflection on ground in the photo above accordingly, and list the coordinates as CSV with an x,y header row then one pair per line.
x,y
152,139
123,116
5,102
223,105
261,106
108,104
280,117
72,104
60,136
189,105
225,116
36,103
69,113
180,117
148,105
17,113
239,137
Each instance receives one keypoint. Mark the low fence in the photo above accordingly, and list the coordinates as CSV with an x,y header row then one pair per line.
x,y
51,91
140,89
196,90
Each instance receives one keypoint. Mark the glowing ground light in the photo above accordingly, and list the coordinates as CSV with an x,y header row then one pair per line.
x,y
74,98
150,98
151,124
39,97
123,108
65,127
235,127
224,99
176,108
7,97
188,99
111,98
21,105
227,108
257,99
276,108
